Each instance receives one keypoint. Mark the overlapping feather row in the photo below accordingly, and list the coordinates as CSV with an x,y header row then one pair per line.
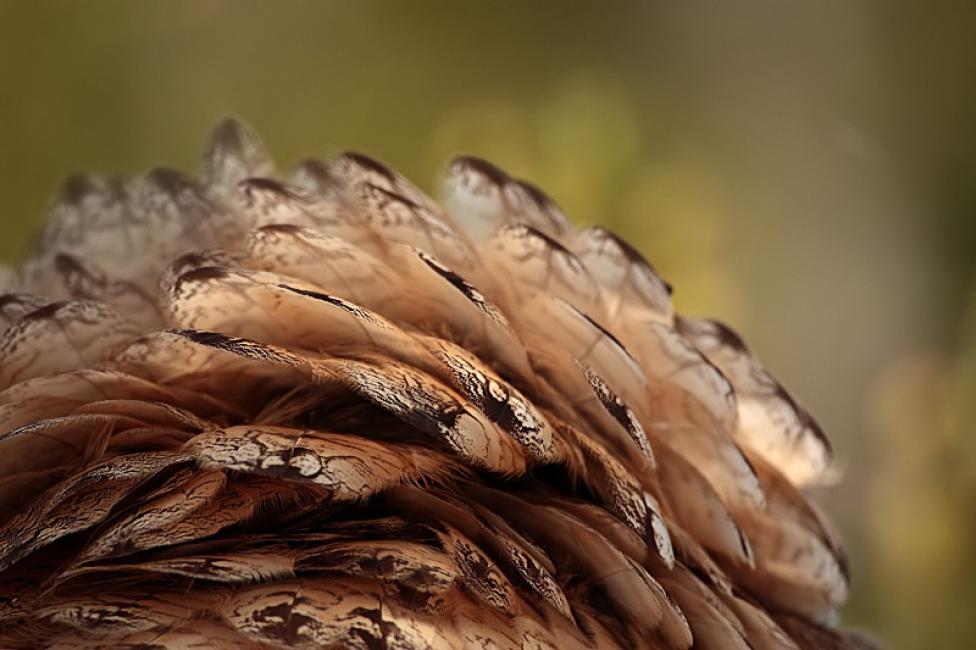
x,y
244,412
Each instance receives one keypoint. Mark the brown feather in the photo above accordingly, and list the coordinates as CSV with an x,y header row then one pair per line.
x,y
379,422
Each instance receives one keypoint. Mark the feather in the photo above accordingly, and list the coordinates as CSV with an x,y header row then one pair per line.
x,y
709,627
426,404
62,439
90,220
813,636
761,630
526,565
377,422
195,633
395,219
795,570
117,613
501,402
487,198
234,154
61,336
348,467
179,499
632,289
262,202
417,567
632,595
79,502
536,260
61,394
677,368
569,336
770,421
623,494
173,208
82,280
246,566
333,264
14,306
156,413
692,432
699,509
328,613
615,418
356,170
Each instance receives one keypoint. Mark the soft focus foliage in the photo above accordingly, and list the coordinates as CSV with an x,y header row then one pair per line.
x,y
804,171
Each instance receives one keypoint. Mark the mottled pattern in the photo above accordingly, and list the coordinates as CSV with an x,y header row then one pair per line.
x,y
323,411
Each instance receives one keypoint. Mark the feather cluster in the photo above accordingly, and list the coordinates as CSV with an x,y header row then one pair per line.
x,y
242,411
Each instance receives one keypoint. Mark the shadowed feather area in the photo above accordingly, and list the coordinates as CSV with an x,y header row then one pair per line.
x,y
320,410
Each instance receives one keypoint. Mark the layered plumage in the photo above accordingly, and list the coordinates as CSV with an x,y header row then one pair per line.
x,y
246,412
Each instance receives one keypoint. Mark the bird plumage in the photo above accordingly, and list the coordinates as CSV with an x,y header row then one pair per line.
x,y
241,411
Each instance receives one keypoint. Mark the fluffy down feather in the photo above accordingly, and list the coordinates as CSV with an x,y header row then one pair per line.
x,y
254,411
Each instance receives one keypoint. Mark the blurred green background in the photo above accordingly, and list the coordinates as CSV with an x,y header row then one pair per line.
x,y
806,171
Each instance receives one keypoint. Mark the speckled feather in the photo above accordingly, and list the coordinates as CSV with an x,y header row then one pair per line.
x,y
324,411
